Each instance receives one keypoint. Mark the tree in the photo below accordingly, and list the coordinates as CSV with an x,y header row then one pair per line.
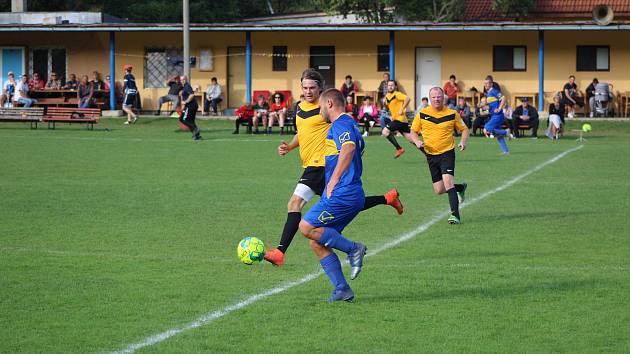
x,y
517,8
371,11
382,11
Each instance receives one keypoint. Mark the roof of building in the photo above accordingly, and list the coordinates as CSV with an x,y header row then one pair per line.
x,y
481,10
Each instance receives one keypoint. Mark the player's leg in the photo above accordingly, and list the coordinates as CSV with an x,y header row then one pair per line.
x,y
331,265
391,198
192,115
447,167
183,118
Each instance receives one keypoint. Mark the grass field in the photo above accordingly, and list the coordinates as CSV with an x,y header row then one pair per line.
x,y
108,237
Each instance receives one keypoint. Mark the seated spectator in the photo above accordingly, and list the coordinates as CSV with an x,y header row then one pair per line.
x,y
21,93
556,118
72,83
525,115
483,115
36,83
590,93
174,86
351,108
463,109
117,89
349,88
244,114
53,83
368,113
213,96
85,92
450,91
278,112
261,111
571,96
96,82
9,89
507,114
382,89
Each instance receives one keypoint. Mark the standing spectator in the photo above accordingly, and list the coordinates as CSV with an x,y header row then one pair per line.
x,y
463,109
368,114
174,86
189,108
53,83
278,112
21,93
72,83
36,83
424,102
96,82
244,114
556,118
131,90
571,96
85,92
351,108
382,89
349,88
9,89
483,114
261,109
451,90
213,96
525,115
108,85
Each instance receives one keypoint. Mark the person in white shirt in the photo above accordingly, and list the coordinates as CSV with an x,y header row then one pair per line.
x,y
21,93
213,96
9,89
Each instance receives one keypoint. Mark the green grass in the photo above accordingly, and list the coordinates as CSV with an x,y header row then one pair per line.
x,y
110,236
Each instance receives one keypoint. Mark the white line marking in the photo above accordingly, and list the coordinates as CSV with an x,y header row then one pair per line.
x,y
210,317
184,138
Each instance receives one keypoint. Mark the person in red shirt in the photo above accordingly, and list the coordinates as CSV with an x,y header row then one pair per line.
x,y
349,88
351,108
36,82
450,90
244,114
277,112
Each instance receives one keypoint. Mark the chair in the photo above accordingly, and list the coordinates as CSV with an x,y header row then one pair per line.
x,y
265,93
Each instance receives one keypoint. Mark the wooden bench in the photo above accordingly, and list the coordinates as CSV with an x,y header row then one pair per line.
x,y
89,116
32,115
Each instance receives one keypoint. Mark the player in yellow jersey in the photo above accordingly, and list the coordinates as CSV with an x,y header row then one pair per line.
x,y
437,123
396,102
312,130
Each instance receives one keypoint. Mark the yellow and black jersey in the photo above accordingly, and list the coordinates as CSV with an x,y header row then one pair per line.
x,y
394,102
311,131
437,129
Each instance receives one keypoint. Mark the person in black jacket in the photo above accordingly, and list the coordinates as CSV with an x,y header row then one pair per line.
x,y
556,118
525,115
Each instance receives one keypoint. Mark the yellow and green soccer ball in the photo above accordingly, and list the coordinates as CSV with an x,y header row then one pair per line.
x,y
250,250
586,127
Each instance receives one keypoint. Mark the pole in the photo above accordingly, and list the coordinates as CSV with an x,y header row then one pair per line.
x,y
186,30
392,57
248,66
541,71
112,71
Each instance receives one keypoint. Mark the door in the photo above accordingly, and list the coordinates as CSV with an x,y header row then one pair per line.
x,y
428,71
12,59
323,60
236,77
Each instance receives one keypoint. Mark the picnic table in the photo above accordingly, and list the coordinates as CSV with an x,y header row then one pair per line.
x,y
66,97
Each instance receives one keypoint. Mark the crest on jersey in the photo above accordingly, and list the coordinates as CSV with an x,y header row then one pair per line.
x,y
325,217
344,137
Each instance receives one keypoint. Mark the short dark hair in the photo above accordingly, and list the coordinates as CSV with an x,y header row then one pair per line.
x,y
571,76
312,74
335,95
490,78
595,80
214,79
424,99
452,77
261,97
367,98
349,77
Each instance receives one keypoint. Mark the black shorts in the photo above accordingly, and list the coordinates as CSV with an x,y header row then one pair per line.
x,y
129,99
442,164
315,178
395,125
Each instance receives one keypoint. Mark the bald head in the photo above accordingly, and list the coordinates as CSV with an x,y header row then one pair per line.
x,y
332,104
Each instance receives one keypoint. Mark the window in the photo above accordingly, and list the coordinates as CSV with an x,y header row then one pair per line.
x,y
46,60
383,58
509,58
160,64
593,58
279,58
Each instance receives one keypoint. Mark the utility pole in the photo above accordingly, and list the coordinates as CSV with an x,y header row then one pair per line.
x,y
186,30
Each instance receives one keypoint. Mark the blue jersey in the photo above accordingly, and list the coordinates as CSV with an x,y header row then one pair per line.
x,y
344,131
494,97
130,84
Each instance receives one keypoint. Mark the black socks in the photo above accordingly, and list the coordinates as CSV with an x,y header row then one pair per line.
x,y
373,201
290,228
453,201
392,139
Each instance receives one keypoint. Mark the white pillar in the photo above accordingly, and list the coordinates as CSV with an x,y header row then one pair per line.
x,y
18,5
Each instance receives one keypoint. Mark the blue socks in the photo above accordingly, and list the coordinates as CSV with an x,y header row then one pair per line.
x,y
333,239
503,144
332,266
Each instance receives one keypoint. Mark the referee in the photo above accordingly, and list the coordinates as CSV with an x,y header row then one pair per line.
x,y
437,123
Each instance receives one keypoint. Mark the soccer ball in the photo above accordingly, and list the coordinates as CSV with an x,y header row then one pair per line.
x,y
586,127
250,250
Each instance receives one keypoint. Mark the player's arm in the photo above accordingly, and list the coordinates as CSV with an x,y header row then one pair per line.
x,y
345,158
501,104
459,125
404,106
285,147
413,136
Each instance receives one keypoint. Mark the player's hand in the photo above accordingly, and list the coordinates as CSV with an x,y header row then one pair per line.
x,y
420,144
497,110
462,146
400,112
283,148
329,188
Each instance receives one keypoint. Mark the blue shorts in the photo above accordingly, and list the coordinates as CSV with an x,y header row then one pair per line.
x,y
494,123
335,213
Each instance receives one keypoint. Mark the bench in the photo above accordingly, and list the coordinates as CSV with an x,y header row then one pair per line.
x,y
32,115
89,116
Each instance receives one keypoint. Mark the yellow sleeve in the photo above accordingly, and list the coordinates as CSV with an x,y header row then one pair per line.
x,y
401,96
416,126
459,123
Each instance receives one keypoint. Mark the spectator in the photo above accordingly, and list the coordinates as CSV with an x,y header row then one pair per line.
x,y
451,90
96,82
556,118
278,112
382,88
424,102
107,86
463,109
571,96
72,83
213,96
36,83
351,108
261,109
131,90
525,115
590,90
9,89
53,83
244,114
174,86
85,92
507,114
368,114
21,93
349,88
483,115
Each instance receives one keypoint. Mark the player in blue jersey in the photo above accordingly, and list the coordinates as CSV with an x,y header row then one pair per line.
x,y
130,89
343,197
496,102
